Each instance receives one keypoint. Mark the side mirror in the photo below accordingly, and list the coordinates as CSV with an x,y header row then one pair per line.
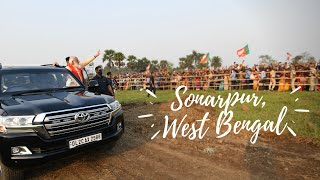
x,y
93,84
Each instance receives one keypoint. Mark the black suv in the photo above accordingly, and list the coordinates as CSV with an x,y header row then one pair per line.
x,y
47,113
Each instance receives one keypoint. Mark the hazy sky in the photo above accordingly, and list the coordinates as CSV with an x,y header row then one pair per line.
x,y
40,32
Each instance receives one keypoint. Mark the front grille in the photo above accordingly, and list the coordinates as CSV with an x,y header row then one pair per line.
x,y
63,123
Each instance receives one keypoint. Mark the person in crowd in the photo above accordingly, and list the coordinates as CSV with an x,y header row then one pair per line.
x,y
138,83
179,80
197,83
226,81
241,79
287,82
206,83
252,77
148,81
209,79
263,77
186,81
159,79
312,78
281,86
306,78
104,85
256,81
127,83
135,83
292,76
298,80
272,80
152,86
303,81
233,78
76,67
247,76
221,84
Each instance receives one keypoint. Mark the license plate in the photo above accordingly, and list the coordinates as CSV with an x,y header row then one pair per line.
x,y
85,140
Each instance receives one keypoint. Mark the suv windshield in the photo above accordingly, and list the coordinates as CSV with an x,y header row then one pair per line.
x,y
14,82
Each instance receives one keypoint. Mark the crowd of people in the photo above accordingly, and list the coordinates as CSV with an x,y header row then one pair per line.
x,y
275,76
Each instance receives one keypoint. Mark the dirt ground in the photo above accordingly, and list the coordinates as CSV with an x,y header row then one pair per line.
x,y
136,156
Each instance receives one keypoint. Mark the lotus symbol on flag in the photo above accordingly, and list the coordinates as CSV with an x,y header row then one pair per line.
x,y
240,52
243,51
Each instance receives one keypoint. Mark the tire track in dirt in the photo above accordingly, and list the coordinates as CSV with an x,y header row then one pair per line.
x,y
193,163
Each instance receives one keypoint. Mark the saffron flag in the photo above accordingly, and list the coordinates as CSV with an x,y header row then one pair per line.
x,y
243,51
204,58
148,67
147,70
288,56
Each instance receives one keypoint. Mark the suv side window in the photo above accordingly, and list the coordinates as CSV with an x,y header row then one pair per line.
x,y
22,81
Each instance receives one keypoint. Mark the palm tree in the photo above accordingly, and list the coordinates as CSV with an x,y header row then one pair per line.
x,y
108,55
132,62
164,63
216,62
154,64
142,64
119,57
189,61
196,57
182,63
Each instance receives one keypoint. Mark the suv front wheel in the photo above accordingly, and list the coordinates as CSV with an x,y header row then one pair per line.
x,y
7,173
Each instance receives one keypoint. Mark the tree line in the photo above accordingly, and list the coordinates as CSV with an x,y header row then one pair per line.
x,y
116,59
193,61
304,57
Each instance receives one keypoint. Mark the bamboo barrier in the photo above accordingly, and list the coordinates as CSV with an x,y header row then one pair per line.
x,y
217,81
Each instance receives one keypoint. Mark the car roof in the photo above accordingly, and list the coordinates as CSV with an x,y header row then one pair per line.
x,y
9,68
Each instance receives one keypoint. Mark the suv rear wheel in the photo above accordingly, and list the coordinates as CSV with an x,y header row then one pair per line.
x,y
7,173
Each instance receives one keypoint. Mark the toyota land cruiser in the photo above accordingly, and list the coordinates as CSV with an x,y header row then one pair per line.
x,y
47,113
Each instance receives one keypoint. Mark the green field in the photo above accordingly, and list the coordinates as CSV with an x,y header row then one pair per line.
x,y
306,124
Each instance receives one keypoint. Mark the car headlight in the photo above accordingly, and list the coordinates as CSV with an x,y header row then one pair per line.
x,y
115,105
14,121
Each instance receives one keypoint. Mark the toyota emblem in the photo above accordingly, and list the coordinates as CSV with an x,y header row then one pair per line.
x,y
82,117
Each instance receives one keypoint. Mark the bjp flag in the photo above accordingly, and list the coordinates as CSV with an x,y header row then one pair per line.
x,y
243,51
